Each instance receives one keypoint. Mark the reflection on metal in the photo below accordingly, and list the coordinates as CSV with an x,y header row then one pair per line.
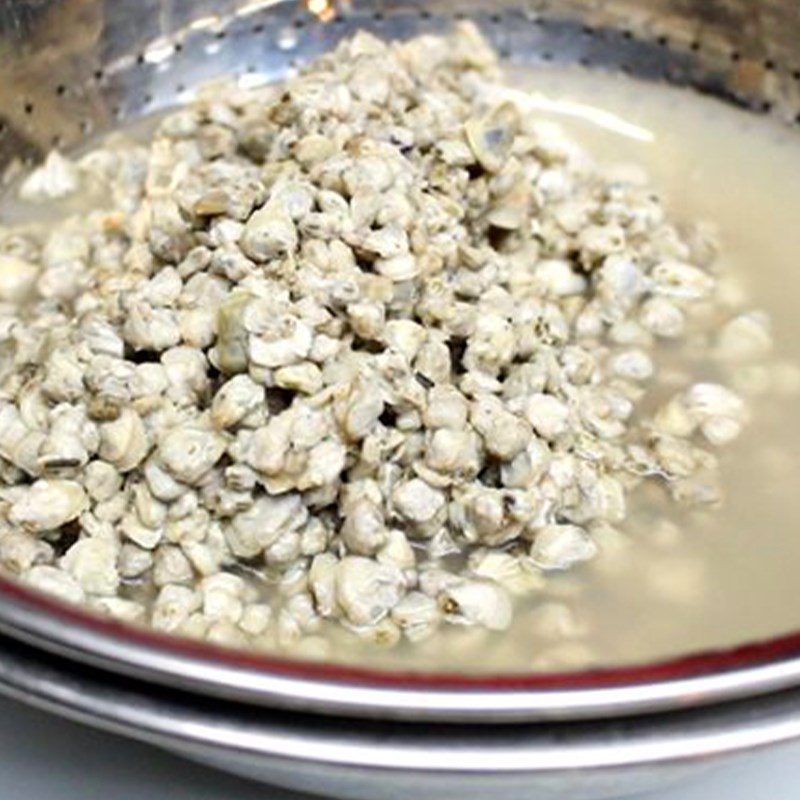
x,y
597,116
323,10
326,10
71,67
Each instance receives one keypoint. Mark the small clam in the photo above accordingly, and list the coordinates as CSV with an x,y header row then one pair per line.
x,y
505,569
367,590
133,561
417,502
13,429
505,435
124,442
160,482
173,606
477,602
46,505
19,551
417,615
322,583
269,233
363,409
548,415
386,633
232,336
397,550
364,529
170,565
511,211
305,377
398,268
559,547
286,340
662,317
93,563
58,177
256,619
707,400
681,281
55,582
128,611
235,400
260,525
746,337
491,136
558,278
189,452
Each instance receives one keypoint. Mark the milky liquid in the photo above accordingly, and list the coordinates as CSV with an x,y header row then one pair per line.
x,y
728,575
722,577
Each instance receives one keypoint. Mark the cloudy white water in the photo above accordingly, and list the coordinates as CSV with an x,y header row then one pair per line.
x,y
716,578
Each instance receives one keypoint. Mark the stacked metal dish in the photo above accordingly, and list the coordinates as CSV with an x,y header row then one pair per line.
x,y
71,67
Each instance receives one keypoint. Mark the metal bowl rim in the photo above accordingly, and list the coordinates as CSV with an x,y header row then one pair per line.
x,y
177,721
255,678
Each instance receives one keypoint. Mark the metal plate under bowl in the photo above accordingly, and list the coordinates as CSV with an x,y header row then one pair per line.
x,y
382,761
76,67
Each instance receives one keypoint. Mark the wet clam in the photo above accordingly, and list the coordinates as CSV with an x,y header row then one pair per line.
x,y
366,352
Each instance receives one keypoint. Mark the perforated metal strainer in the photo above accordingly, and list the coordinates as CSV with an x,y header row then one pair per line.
x,y
73,67
70,69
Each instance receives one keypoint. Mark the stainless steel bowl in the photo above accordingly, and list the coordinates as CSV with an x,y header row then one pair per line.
x,y
374,760
71,68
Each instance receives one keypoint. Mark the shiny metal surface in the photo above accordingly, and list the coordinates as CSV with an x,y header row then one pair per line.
x,y
383,761
71,68
225,674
